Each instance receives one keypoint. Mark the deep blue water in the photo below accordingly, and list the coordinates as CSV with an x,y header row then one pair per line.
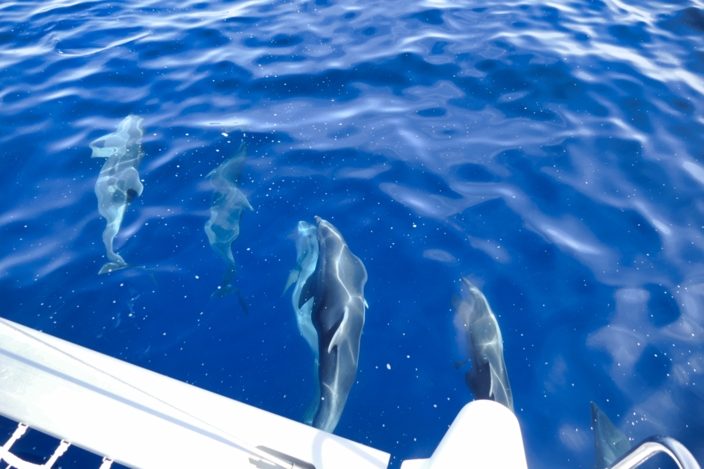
x,y
551,151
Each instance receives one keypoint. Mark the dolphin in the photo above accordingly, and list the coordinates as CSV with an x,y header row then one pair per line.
x,y
610,443
476,324
306,261
336,288
118,182
223,226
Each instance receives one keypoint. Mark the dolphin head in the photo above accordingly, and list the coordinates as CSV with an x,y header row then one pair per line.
x,y
129,132
333,246
478,331
131,127
328,236
306,244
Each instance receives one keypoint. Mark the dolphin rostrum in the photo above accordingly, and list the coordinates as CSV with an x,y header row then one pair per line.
x,y
336,288
223,226
118,182
476,324
610,443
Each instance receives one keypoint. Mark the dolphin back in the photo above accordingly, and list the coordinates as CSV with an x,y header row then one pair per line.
x,y
610,443
476,322
223,226
337,289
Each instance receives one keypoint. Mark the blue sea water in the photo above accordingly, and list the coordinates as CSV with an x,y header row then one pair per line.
x,y
550,151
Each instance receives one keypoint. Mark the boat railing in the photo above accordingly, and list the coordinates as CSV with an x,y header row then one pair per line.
x,y
657,445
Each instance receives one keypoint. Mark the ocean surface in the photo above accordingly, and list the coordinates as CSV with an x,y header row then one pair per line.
x,y
551,152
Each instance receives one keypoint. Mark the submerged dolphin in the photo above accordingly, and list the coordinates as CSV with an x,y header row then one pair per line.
x,y
610,443
477,325
336,288
306,261
118,182
223,226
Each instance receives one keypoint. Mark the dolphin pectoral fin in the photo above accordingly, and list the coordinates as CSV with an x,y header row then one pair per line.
x,y
247,204
334,341
102,152
101,148
112,267
292,277
339,335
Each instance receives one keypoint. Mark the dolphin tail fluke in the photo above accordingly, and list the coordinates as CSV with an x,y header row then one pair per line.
x,y
610,443
112,267
241,301
227,286
224,288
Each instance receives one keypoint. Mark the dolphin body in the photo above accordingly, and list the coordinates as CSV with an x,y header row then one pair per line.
x,y
336,288
477,325
118,182
610,443
306,261
223,226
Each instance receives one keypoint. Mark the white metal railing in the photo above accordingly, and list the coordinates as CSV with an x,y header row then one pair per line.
x,y
139,418
657,445
16,462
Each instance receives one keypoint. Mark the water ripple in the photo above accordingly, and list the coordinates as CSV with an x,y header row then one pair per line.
x,y
550,150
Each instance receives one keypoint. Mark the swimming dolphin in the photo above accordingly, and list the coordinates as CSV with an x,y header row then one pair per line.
x,y
336,288
610,443
118,182
223,226
306,261
477,325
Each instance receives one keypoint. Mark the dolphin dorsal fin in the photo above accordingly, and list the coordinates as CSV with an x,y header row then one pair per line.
x,y
610,443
